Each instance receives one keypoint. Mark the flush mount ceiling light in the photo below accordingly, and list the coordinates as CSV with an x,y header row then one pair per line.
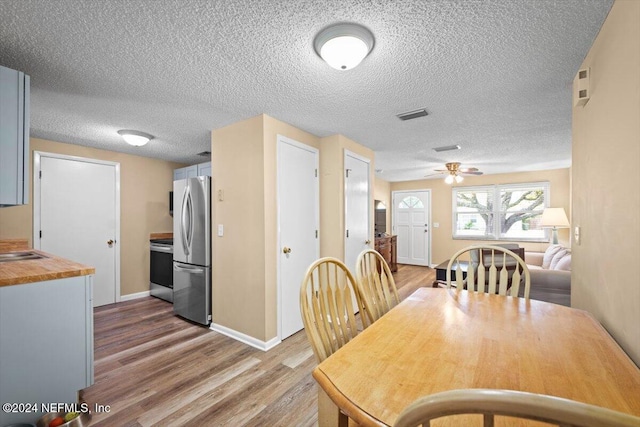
x,y
343,46
135,138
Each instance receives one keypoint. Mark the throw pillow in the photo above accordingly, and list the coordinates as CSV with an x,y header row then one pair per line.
x,y
556,258
565,263
549,254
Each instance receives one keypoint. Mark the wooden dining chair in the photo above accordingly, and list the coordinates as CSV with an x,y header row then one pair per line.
x,y
491,269
509,403
326,304
375,285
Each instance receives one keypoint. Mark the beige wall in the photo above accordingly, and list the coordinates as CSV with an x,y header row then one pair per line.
x,y
382,192
606,142
443,245
245,259
332,184
144,207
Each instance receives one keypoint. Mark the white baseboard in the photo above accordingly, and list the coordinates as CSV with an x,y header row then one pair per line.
x,y
129,297
247,339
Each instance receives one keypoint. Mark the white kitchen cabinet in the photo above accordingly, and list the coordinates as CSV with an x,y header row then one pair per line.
x,y
186,172
46,348
204,169
14,137
201,169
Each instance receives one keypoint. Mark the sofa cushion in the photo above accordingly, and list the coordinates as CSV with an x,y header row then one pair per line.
x,y
549,254
556,258
564,263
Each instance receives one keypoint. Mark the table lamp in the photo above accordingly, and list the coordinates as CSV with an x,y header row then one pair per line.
x,y
554,218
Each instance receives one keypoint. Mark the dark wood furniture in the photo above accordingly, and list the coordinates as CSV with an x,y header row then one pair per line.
x,y
387,247
441,273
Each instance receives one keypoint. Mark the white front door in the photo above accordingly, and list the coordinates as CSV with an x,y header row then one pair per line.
x,y
411,213
357,208
298,225
76,216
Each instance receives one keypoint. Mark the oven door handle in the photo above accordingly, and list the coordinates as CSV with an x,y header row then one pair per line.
x,y
157,248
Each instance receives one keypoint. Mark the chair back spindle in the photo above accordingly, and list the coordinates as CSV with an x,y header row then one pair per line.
x,y
496,270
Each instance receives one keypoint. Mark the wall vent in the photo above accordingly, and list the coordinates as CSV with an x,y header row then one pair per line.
x,y
413,114
446,148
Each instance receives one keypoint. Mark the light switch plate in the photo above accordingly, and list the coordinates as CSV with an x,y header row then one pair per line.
x,y
220,230
436,224
576,235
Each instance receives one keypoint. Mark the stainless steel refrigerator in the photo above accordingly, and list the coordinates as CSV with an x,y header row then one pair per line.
x,y
192,249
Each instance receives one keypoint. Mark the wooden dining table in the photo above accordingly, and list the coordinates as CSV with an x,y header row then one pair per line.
x,y
443,339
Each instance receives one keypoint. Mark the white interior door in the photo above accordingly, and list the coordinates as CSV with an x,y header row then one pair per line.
x,y
76,215
298,222
411,212
357,208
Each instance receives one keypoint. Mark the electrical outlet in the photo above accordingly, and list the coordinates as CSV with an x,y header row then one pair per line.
x,y
436,224
576,235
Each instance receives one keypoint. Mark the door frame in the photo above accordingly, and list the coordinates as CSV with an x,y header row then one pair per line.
x,y
430,226
369,199
37,155
283,139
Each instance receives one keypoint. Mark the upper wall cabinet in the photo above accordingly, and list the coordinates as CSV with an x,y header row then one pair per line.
x,y
186,172
14,137
202,169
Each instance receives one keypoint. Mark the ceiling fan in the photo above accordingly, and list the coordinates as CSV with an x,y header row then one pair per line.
x,y
454,172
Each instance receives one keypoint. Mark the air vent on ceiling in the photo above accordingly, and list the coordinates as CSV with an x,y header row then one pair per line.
x,y
413,114
205,154
446,148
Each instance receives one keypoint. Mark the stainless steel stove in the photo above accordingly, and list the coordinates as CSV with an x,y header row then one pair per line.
x,y
161,269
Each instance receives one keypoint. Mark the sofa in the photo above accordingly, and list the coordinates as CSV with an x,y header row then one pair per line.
x,y
550,271
550,274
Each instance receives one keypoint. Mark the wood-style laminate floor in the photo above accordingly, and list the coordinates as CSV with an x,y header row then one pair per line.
x,y
155,369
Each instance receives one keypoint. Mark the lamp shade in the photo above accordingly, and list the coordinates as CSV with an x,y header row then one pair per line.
x,y
554,217
343,46
135,138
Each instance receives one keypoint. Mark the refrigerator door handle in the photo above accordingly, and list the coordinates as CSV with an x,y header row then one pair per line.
x,y
183,218
191,219
188,270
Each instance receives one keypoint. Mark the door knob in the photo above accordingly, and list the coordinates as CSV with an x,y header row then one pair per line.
x,y
110,242
286,250
367,242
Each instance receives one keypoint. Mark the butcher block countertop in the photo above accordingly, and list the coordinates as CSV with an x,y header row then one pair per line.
x,y
36,270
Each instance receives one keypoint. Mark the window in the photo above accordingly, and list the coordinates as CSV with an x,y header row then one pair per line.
x,y
410,202
500,212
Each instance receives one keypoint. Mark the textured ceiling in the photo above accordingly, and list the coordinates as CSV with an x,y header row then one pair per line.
x,y
495,75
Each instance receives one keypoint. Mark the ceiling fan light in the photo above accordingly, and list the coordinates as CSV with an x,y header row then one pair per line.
x,y
459,179
134,137
449,179
344,46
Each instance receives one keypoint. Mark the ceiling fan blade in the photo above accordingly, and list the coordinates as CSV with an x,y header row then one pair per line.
x,y
472,173
434,174
468,170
